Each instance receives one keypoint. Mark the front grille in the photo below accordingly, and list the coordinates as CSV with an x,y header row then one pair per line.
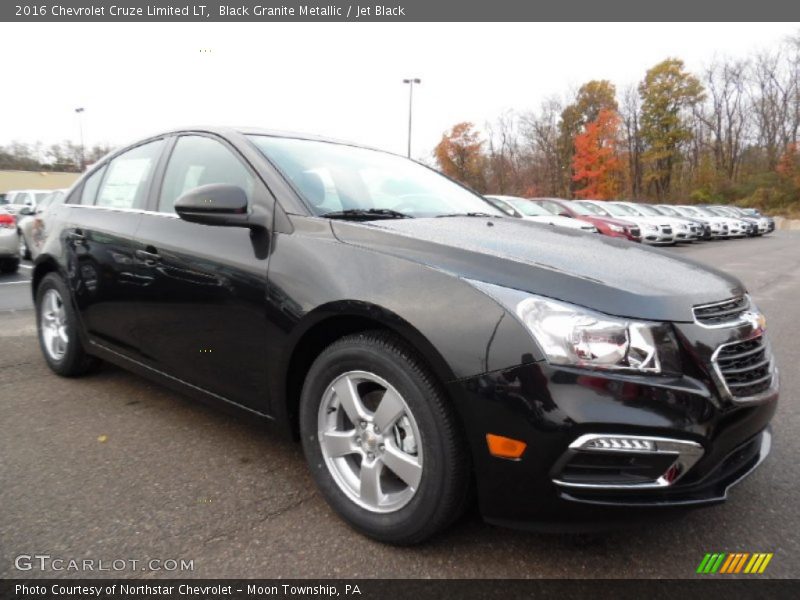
x,y
634,231
746,367
666,229
721,313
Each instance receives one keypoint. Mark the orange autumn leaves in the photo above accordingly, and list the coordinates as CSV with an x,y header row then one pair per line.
x,y
596,164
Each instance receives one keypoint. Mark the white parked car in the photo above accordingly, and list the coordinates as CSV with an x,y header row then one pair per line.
x,y
9,242
653,233
736,227
682,229
530,211
17,200
719,225
32,228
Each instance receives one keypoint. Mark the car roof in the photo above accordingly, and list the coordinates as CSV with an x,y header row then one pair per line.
x,y
247,130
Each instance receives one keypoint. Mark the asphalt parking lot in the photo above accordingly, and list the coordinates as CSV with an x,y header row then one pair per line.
x,y
112,467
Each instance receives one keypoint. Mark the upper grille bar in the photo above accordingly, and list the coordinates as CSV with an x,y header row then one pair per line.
x,y
721,314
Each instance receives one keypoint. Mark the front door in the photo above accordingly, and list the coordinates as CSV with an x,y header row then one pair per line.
x,y
204,307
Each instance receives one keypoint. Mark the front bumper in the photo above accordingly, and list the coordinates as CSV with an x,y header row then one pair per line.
x,y
549,408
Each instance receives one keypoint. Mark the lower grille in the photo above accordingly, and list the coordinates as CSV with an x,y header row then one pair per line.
x,y
746,367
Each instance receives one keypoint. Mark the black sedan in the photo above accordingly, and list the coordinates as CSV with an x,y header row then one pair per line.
x,y
420,345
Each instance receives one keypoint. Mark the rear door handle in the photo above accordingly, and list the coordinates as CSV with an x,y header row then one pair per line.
x,y
77,236
147,257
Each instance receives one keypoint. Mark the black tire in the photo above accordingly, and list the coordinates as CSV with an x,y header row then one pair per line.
x,y
25,251
75,360
445,481
9,265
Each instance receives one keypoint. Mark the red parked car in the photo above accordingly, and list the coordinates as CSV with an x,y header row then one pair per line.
x,y
605,225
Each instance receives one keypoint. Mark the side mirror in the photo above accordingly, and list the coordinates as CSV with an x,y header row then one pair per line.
x,y
26,210
214,204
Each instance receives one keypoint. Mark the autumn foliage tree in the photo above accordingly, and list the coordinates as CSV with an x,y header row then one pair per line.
x,y
596,164
460,156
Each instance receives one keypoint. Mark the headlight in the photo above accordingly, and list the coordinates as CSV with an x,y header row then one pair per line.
x,y
649,227
576,336
617,228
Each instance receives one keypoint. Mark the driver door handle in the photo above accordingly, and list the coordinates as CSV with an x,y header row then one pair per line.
x,y
149,257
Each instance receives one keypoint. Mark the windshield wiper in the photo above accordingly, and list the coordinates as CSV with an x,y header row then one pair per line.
x,y
366,214
468,214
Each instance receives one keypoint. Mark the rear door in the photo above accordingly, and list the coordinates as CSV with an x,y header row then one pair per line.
x,y
204,315
98,244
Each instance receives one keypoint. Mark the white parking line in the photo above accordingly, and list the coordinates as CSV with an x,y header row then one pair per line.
x,y
25,267
14,282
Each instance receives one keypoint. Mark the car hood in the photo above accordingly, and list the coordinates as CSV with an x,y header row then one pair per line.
x,y
613,276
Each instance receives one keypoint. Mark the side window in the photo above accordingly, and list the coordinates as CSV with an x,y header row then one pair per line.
x,y
128,175
198,160
89,191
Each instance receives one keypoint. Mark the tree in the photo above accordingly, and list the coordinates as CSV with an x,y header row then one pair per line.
x,y
596,164
590,100
668,96
459,155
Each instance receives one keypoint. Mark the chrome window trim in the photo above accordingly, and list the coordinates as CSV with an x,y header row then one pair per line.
x,y
686,453
125,210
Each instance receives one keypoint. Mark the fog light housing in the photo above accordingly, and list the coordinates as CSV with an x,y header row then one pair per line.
x,y
608,461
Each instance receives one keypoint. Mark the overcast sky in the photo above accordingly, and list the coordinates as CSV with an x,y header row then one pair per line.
x,y
338,79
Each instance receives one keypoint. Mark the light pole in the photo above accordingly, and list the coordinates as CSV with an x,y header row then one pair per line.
x,y
78,111
410,83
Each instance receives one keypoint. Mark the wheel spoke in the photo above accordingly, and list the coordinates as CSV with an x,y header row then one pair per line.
x,y
338,443
370,482
389,410
349,399
405,466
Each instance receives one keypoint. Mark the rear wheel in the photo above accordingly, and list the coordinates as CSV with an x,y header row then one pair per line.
x,y
381,439
58,329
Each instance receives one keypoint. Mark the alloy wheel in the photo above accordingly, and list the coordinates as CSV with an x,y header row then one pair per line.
x,y
370,442
53,322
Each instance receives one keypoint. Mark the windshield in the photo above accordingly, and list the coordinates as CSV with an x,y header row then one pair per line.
x,y
503,206
666,210
688,210
621,210
647,210
580,209
41,196
593,208
527,208
705,211
336,177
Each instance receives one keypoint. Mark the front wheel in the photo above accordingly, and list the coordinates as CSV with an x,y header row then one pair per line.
x,y
58,329
382,440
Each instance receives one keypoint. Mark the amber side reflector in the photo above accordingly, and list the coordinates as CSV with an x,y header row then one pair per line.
x,y
504,447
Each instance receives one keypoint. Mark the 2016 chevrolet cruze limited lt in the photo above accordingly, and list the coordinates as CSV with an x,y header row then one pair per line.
x,y
425,349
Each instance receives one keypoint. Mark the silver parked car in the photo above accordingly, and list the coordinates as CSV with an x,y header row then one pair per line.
x,y
9,242
32,224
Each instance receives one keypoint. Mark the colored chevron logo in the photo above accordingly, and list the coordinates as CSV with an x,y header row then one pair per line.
x,y
734,562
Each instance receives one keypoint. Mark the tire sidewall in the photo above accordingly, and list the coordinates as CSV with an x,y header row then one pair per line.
x,y
73,355
401,374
